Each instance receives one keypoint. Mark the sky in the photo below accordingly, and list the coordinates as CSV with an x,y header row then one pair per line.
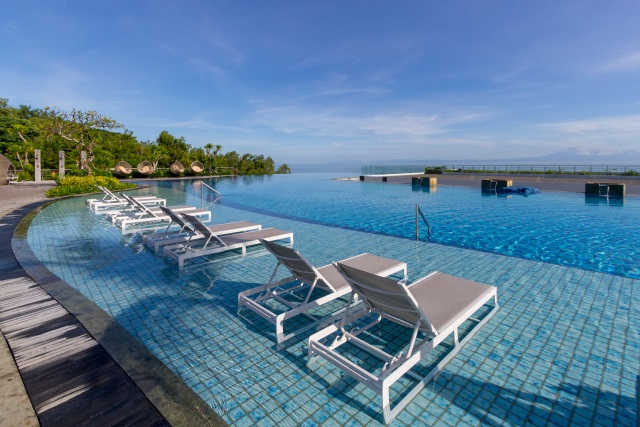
x,y
313,82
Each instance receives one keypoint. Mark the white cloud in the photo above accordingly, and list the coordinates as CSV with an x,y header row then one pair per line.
x,y
204,67
621,63
599,126
339,123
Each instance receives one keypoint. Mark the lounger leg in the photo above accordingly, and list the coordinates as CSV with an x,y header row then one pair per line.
x,y
280,328
386,406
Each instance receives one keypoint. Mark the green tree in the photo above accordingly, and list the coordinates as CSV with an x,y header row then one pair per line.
x,y
174,148
210,151
283,168
78,127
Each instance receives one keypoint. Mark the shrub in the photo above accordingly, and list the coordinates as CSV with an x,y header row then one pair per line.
x,y
161,173
86,184
434,169
76,172
98,172
24,176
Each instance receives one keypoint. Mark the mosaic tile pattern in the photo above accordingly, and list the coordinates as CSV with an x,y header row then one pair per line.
x,y
562,350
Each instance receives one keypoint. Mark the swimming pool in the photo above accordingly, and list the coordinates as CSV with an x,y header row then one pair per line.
x,y
570,229
563,349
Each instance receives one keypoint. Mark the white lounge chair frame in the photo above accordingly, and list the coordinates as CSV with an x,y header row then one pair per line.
x,y
215,243
111,200
394,301
303,276
147,215
186,232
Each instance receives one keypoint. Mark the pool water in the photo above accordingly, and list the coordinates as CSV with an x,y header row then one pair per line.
x,y
564,348
570,229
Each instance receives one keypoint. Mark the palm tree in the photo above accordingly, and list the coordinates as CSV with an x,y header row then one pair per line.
x,y
208,147
215,157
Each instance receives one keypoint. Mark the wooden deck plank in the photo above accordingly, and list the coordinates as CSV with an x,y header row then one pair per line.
x,y
70,378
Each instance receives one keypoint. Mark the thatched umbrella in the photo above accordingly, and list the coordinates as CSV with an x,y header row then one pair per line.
x,y
145,168
197,167
122,169
176,168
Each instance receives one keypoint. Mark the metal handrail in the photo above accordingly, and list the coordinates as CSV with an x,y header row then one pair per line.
x,y
424,218
212,189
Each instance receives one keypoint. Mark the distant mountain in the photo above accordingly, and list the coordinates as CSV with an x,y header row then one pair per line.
x,y
599,157
569,156
566,157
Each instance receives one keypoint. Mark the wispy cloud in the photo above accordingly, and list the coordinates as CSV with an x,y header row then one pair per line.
x,y
621,63
337,122
206,68
201,121
599,126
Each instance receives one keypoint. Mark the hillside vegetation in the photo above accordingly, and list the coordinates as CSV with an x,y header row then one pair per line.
x,y
24,129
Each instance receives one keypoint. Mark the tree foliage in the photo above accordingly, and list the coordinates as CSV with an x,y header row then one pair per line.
x,y
106,142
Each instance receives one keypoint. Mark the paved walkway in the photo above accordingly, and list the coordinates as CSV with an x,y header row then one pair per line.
x,y
15,405
52,370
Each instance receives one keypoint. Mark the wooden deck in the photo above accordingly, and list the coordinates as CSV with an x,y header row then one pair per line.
x,y
70,378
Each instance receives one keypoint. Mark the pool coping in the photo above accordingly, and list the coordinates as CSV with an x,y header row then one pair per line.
x,y
176,401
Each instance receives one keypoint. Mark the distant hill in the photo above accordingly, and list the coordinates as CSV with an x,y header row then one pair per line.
x,y
569,156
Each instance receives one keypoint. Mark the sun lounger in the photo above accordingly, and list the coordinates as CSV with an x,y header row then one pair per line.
x,y
110,200
187,232
215,243
146,215
293,295
433,307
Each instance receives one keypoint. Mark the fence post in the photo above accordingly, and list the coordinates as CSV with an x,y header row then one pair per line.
x,y
37,166
61,164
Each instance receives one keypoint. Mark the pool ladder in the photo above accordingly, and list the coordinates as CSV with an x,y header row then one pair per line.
x,y
216,192
424,218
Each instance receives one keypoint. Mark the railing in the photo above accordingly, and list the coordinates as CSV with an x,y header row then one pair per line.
x,y
216,192
537,169
384,170
551,169
424,218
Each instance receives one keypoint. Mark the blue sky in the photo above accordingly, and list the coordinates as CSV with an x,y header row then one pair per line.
x,y
349,81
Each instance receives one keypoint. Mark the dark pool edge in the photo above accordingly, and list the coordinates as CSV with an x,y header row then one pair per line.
x,y
177,402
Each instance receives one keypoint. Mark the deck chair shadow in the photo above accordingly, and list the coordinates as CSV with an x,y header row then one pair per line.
x,y
186,231
215,243
306,288
433,308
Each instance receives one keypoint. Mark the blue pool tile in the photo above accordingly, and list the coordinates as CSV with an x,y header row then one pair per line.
x,y
560,349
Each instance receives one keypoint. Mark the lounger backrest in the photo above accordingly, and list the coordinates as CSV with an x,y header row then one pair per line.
x,y
128,199
139,205
109,192
386,296
295,263
108,195
174,218
201,228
